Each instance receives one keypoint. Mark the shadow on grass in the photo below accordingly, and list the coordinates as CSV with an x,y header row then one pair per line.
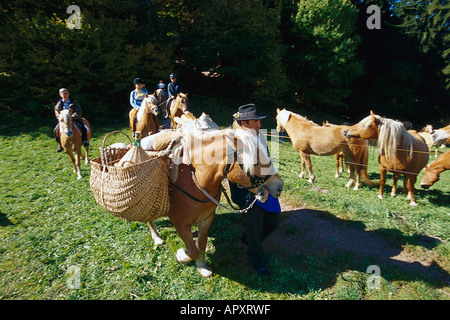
x,y
4,221
310,249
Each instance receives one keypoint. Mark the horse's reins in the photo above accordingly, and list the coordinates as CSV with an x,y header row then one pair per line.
x,y
257,182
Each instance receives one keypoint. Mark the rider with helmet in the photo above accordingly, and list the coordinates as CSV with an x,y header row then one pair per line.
x,y
173,89
136,98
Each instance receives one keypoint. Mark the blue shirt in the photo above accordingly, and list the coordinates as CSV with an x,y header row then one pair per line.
x,y
243,198
137,97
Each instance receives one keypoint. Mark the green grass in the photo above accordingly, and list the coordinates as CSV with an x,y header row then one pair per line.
x,y
50,222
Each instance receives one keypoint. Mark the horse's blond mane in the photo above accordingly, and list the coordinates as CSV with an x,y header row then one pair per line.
x,y
251,145
368,120
302,118
152,99
284,115
390,134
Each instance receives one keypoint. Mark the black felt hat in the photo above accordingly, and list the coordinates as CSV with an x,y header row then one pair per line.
x,y
248,112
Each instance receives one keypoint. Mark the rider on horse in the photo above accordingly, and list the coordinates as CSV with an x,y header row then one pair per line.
x,y
174,88
71,104
136,98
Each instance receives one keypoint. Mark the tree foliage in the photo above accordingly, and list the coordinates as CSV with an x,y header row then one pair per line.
x,y
324,55
294,53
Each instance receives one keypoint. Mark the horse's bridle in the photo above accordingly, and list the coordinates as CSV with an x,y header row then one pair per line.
x,y
257,182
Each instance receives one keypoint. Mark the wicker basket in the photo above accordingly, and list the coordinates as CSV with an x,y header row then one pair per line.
x,y
110,154
138,192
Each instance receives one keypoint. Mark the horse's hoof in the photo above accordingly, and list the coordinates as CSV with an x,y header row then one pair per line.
x,y
79,177
336,176
380,197
182,256
356,188
158,241
205,272
413,203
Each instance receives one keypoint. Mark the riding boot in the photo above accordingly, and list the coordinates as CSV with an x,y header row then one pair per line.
x,y
60,148
83,130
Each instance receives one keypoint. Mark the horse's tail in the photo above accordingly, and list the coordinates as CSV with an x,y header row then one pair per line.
x,y
365,165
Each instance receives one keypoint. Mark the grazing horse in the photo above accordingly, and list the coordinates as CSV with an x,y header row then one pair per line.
x,y
70,137
177,108
145,120
401,151
442,135
207,159
309,138
434,169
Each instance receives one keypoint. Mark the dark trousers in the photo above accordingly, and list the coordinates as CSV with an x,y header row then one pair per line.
x,y
258,225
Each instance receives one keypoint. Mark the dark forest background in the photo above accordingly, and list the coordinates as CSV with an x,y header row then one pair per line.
x,y
317,55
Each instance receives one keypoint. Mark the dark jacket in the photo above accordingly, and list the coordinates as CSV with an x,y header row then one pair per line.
x,y
76,114
173,89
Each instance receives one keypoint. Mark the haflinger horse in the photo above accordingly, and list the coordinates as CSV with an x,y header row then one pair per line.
x,y
145,119
309,138
339,157
70,138
434,169
161,100
401,151
442,135
426,134
207,159
178,107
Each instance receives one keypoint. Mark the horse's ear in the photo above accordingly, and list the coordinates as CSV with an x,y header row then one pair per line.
x,y
371,113
278,110
146,95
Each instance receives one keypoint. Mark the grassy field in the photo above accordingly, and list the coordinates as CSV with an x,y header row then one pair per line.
x,y
57,243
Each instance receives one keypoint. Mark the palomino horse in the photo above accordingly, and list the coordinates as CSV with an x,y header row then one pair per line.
x,y
207,159
401,151
145,119
442,135
70,137
339,158
309,138
434,169
426,134
161,100
178,107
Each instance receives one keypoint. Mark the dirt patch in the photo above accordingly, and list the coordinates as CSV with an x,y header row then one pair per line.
x,y
309,231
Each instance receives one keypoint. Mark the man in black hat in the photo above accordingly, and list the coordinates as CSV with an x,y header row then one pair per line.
x,y
262,218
